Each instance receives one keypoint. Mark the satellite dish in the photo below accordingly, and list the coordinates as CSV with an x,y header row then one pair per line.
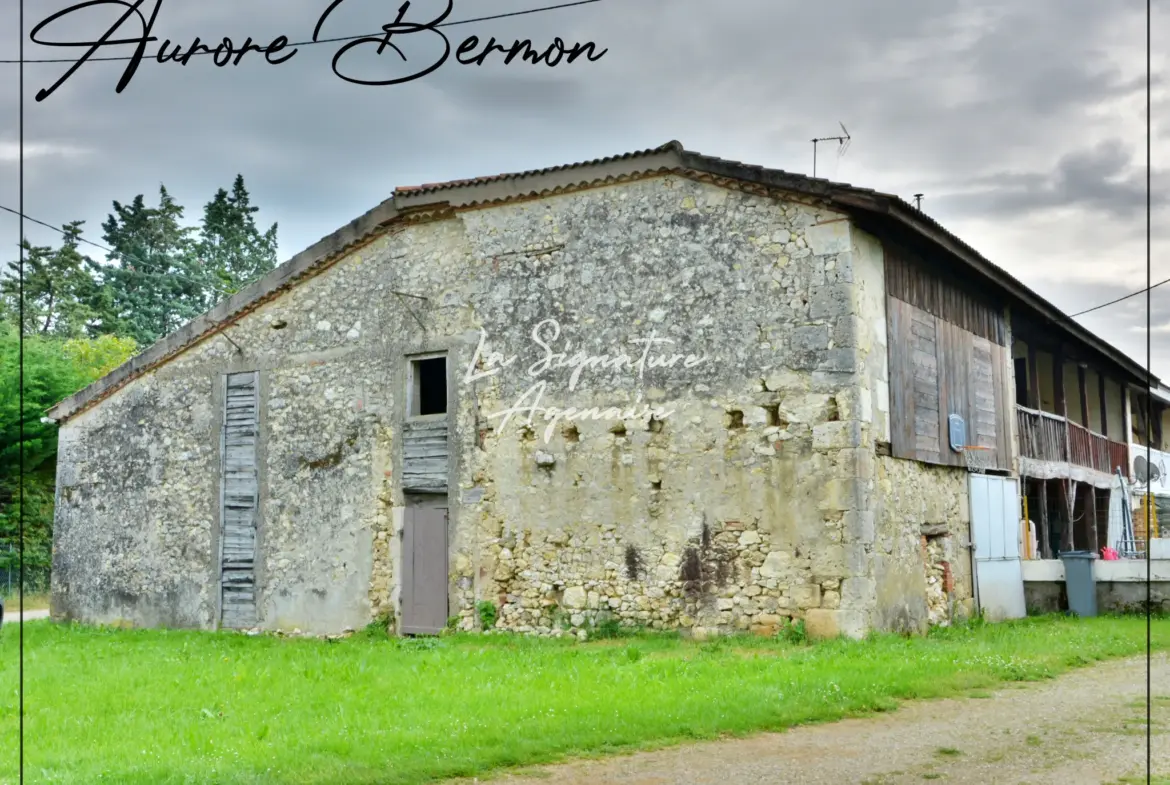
x,y
1145,472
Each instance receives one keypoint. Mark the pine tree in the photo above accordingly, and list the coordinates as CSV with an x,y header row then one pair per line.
x,y
59,290
156,283
231,245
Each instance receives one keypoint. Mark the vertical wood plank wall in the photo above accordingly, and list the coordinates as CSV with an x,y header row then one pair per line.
x,y
240,498
948,354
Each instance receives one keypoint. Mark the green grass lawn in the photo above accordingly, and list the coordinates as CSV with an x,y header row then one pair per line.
x,y
151,706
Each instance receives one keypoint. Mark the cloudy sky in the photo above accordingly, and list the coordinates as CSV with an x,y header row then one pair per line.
x,y
1023,123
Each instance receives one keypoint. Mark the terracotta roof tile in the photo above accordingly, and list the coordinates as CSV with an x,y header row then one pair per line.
x,y
495,178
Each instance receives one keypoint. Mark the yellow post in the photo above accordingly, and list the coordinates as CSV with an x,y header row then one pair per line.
x,y
1027,530
1153,516
1148,514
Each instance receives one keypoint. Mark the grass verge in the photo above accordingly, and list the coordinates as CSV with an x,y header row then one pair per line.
x,y
32,602
161,707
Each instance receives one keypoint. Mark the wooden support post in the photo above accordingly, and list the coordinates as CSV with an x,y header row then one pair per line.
x,y
1091,517
1127,427
1061,399
1033,379
1156,425
1045,532
1068,489
1104,405
1061,402
1084,391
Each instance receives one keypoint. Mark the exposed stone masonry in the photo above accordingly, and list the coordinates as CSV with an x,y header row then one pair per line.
x,y
756,500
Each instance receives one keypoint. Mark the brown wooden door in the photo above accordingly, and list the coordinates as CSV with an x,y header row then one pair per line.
x,y
424,567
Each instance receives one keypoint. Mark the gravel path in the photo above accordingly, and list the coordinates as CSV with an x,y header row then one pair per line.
x,y
12,617
1088,727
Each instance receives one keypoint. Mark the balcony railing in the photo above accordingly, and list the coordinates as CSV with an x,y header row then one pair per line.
x,y
1050,437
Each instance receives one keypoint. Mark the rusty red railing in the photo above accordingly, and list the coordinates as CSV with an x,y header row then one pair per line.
x,y
1050,437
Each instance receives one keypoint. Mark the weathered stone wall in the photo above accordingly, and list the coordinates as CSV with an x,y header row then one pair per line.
x,y
921,561
734,511
133,536
748,502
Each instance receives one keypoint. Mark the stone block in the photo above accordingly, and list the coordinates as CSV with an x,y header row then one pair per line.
x,y
806,596
828,560
839,495
808,408
837,435
846,332
749,538
776,565
843,360
783,381
575,597
812,338
831,301
858,592
841,268
831,380
822,623
857,526
857,560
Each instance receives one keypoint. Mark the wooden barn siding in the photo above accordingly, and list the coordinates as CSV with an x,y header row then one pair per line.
x,y
909,280
948,355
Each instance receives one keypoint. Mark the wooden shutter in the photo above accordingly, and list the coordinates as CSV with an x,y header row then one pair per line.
x,y
240,496
424,456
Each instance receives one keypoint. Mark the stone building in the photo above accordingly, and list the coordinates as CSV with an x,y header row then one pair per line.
x,y
658,387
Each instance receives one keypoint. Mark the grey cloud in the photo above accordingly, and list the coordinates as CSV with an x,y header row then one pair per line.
x,y
972,102
1104,178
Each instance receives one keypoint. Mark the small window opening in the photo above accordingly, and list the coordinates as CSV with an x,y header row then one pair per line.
x,y
430,386
1021,366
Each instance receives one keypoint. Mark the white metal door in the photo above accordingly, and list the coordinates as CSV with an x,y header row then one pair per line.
x,y
995,531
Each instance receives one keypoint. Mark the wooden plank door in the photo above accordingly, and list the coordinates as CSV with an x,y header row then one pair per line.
x,y
240,491
424,567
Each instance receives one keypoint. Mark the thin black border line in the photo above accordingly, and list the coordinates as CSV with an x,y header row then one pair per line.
x,y
1149,404
20,393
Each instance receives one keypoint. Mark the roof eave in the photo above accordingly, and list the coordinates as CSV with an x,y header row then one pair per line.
x,y
912,218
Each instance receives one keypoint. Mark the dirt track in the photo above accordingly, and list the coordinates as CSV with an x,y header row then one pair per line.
x,y
1088,726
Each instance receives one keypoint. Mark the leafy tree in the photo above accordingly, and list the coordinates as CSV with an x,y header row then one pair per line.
x,y
83,318
59,290
231,245
53,370
156,283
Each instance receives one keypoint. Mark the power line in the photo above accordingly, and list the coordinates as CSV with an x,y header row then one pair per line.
x,y
341,38
131,257
1119,299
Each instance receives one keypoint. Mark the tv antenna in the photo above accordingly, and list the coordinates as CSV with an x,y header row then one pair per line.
x,y
842,145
